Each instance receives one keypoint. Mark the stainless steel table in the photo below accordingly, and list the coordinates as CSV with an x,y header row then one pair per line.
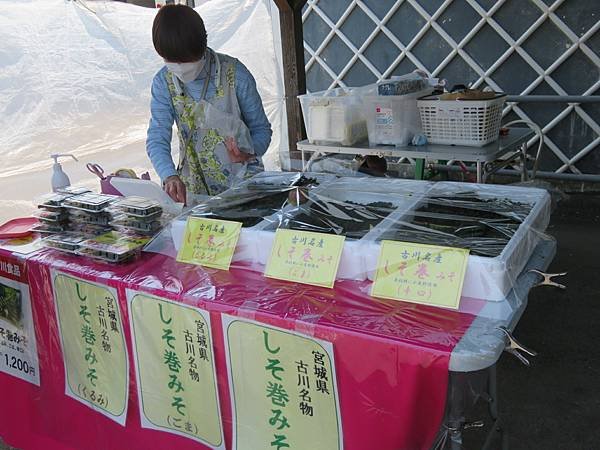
x,y
489,158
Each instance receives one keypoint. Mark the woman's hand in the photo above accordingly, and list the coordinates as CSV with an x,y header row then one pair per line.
x,y
234,152
175,188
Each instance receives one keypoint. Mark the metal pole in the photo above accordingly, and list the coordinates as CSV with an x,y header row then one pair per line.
x,y
553,98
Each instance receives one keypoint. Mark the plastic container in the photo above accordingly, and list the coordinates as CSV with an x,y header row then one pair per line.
x,y
487,277
89,230
72,190
101,218
90,202
53,201
139,207
66,242
113,247
52,216
403,85
393,119
335,116
129,223
47,228
461,122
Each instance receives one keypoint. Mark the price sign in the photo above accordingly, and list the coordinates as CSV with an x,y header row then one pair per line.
x,y
209,242
420,273
18,348
305,257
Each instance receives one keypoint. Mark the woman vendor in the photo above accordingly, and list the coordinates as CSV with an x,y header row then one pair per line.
x,y
222,127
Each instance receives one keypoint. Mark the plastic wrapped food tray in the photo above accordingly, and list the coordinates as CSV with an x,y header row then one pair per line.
x,y
52,202
84,217
114,247
139,207
135,224
65,242
52,216
48,228
501,225
263,213
72,190
373,199
494,263
89,202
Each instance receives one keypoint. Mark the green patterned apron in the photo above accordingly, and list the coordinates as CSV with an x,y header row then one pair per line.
x,y
204,164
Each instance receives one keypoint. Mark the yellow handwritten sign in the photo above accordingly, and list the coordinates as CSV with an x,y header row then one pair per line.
x,y
305,257
175,369
420,273
93,345
283,388
209,242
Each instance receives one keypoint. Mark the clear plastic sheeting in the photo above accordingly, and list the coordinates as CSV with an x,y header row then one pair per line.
x,y
254,203
392,358
75,77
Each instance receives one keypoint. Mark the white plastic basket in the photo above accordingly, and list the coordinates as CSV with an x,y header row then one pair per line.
x,y
334,116
461,122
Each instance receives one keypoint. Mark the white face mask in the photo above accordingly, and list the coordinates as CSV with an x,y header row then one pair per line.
x,y
187,72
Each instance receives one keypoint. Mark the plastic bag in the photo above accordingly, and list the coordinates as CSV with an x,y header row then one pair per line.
x,y
500,225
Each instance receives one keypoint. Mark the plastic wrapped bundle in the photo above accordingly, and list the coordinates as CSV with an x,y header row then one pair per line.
x,y
499,225
254,202
405,84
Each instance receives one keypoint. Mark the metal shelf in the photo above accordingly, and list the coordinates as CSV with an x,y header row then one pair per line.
x,y
506,145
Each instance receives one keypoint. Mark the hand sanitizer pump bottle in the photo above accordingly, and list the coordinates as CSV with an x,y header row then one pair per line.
x,y
59,177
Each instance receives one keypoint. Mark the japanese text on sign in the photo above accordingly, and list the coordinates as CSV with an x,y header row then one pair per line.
x,y
420,273
175,369
285,396
209,242
305,257
8,268
93,344
18,349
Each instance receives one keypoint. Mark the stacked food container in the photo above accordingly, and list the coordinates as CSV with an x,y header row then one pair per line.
x,y
104,227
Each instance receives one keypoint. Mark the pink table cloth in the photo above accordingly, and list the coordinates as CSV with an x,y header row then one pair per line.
x,y
391,357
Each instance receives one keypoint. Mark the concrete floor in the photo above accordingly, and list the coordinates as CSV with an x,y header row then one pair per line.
x,y
555,403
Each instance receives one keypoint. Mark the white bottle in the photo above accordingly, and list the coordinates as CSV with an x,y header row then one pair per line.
x,y
59,177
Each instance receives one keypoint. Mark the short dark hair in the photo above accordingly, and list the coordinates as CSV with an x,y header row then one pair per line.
x,y
178,34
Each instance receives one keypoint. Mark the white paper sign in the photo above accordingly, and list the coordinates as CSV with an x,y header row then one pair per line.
x,y
18,349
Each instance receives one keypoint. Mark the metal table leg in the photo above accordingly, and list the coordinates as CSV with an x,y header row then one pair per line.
x,y
479,172
497,429
419,169
524,174
465,390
